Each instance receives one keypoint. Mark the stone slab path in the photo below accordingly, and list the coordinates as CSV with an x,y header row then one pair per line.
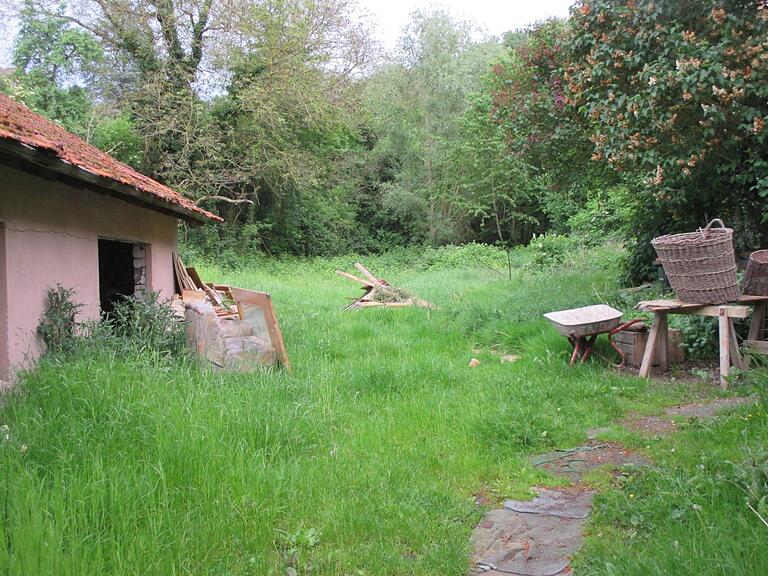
x,y
575,462
532,538
667,422
538,537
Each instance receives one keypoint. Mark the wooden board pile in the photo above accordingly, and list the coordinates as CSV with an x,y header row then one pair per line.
x,y
193,289
231,327
379,292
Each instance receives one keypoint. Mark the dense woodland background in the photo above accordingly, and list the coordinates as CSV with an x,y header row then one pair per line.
x,y
630,119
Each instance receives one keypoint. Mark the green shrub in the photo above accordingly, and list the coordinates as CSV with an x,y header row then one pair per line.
x,y
118,136
550,249
58,325
607,214
699,335
144,323
464,256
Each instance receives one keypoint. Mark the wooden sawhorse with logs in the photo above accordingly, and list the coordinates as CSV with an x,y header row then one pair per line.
x,y
730,353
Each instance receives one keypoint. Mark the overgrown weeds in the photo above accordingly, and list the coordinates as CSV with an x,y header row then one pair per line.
x,y
147,323
58,325
139,324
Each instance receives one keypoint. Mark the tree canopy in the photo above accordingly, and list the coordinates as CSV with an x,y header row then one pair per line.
x,y
629,119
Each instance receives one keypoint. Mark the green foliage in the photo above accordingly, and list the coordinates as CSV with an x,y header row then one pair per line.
x,y
700,335
278,153
320,223
530,107
608,214
295,548
550,249
52,58
416,106
468,255
146,324
58,324
142,324
119,138
677,93
495,190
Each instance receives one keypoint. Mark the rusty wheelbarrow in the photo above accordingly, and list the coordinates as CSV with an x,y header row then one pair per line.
x,y
582,326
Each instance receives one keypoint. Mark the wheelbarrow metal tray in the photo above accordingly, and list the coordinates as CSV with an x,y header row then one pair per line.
x,y
585,321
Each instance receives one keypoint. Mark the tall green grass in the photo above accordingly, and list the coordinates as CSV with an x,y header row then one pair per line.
x,y
365,461
701,510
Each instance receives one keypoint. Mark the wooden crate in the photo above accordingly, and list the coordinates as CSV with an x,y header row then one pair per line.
x,y
632,342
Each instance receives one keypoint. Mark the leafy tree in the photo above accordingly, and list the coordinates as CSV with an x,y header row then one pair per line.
x,y
281,152
678,91
118,137
529,103
52,60
496,189
416,106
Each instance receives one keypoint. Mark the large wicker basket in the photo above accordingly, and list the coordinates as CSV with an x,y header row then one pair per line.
x,y
700,266
756,276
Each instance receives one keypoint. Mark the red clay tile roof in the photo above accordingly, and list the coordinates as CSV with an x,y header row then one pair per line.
x,y
20,124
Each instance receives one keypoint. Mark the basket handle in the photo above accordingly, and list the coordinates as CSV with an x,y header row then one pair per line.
x,y
705,231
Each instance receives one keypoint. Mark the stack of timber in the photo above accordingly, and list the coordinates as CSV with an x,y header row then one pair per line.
x,y
230,327
379,292
193,289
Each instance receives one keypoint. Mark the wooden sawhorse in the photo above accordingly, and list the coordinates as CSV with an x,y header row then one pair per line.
x,y
725,313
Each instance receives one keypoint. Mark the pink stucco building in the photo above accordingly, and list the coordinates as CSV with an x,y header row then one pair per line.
x,y
73,215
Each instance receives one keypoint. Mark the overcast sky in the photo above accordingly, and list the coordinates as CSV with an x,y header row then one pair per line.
x,y
496,16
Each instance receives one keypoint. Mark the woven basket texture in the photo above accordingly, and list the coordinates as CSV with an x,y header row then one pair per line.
x,y
700,266
756,276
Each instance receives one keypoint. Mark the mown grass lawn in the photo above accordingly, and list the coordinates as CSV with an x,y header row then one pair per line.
x,y
367,459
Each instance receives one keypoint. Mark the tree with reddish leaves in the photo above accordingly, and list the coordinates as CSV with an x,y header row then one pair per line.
x,y
530,103
677,93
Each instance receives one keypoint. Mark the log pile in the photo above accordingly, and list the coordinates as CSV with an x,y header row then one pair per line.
x,y
379,292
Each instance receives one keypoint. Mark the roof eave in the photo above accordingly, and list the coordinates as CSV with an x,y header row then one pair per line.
x,y
50,162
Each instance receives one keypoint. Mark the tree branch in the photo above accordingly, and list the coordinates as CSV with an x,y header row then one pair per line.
x,y
198,30
225,199
165,16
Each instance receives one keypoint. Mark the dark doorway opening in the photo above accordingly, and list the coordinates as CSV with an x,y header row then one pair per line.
x,y
116,272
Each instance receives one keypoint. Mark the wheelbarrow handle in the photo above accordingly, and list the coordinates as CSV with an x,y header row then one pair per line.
x,y
626,325
613,344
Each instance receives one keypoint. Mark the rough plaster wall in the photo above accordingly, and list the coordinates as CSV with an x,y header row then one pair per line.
x,y
3,310
51,235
